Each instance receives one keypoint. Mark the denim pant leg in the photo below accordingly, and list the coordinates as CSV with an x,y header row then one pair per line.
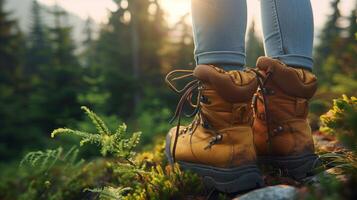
x,y
219,28
288,31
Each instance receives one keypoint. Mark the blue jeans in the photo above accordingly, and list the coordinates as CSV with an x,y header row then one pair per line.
x,y
219,28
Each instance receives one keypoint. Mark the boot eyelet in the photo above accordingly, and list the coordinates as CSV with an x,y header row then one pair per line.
x,y
261,116
205,125
204,100
278,129
268,91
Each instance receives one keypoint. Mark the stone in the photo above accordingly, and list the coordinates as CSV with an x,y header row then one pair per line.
x,y
278,192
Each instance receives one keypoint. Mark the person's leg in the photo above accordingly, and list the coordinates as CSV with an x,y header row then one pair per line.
x,y
282,134
288,31
219,32
218,143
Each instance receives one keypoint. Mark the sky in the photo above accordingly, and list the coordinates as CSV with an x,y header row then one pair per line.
x,y
98,9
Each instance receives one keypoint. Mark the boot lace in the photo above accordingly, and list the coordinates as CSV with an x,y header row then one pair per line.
x,y
316,165
189,98
264,91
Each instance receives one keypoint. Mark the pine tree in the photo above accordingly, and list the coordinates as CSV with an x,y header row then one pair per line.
x,y
39,50
113,61
63,45
254,47
184,46
88,43
352,30
128,53
13,87
330,35
94,94
55,99
9,43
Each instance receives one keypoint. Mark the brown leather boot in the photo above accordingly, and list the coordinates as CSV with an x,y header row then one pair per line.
x,y
282,134
218,144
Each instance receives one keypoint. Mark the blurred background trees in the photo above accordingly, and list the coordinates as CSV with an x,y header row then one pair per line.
x,y
45,75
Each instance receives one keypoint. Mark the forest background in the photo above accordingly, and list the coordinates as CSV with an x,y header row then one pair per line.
x,y
45,76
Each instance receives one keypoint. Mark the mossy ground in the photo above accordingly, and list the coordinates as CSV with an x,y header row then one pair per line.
x,y
124,174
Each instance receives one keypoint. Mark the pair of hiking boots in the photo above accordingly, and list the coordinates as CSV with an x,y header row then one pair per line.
x,y
241,119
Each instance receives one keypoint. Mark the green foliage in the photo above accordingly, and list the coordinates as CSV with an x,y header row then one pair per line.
x,y
13,87
44,161
329,188
341,121
109,142
331,32
120,72
338,181
50,174
39,48
344,160
141,176
152,121
109,193
335,58
45,78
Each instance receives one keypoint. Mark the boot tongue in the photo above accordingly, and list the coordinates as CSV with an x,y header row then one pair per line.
x,y
293,81
233,86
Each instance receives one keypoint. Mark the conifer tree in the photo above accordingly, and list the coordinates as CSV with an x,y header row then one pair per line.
x,y
184,53
39,50
128,52
9,43
352,30
88,43
13,87
93,94
330,35
55,98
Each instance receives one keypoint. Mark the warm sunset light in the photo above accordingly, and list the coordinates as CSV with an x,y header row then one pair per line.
x,y
174,9
178,99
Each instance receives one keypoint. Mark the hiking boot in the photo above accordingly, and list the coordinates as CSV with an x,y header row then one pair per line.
x,y
282,134
218,143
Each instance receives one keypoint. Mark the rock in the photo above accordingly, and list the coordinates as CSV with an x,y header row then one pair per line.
x,y
278,192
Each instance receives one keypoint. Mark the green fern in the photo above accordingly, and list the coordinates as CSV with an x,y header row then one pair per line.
x,y
110,193
110,142
45,160
142,176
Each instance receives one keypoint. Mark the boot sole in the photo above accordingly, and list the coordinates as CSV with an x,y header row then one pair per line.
x,y
296,167
227,180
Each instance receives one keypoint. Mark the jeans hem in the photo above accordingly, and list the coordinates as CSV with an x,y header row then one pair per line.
x,y
296,61
220,57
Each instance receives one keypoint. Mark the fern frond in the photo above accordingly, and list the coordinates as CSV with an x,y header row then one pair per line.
x,y
85,137
97,121
45,160
109,142
110,193
121,129
132,143
42,160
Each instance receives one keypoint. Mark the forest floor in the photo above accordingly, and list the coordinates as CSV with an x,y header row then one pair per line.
x,y
123,173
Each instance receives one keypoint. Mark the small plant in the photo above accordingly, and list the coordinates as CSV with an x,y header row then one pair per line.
x,y
41,166
142,176
109,142
121,173
339,181
341,121
45,160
